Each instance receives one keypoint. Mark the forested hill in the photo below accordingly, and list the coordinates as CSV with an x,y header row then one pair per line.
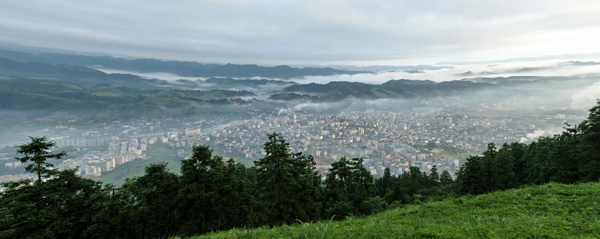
x,y
405,88
78,75
390,89
42,98
182,68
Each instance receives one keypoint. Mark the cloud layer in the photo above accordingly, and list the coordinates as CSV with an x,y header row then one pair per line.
x,y
306,32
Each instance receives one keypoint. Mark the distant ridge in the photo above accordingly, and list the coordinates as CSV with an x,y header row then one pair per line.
x,y
182,68
536,58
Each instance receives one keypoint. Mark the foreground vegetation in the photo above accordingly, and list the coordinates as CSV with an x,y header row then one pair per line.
x,y
548,211
283,188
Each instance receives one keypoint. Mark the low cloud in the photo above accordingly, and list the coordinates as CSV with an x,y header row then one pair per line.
x,y
152,75
360,105
535,135
586,97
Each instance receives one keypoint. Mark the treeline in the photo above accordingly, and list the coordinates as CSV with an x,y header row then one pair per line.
x,y
212,194
570,157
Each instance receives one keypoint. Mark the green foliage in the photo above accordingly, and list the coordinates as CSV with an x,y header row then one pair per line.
x,y
348,189
445,178
290,96
490,172
589,145
549,211
288,187
570,157
282,189
385,183
390,89
434,177
78,75
62,207
49,98
155,193
212,195
37,152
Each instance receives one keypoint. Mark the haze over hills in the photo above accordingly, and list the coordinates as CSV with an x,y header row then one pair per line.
x,y
124,119
66,84
185,69
40,98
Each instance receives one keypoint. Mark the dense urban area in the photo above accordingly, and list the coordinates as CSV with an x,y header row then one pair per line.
x,y
442,134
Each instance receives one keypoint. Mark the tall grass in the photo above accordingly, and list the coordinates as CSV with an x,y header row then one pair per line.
x,y
548,211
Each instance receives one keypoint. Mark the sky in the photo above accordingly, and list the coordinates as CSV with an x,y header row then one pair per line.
x,y
336,32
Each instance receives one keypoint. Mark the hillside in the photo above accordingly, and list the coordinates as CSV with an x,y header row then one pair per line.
x,y
182,68
389,89
79,75
548,211
54,98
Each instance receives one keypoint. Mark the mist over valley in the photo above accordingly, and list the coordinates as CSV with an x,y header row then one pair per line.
x,y
58,100
299,119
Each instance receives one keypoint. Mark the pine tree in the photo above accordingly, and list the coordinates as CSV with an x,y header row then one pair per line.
x,y
490,177
434,177
37,152
385,183
536,158
518,151
212,195
589,149
349,188
505,169
155,193
406,186
289,189
336,192
470,176
59,207
445,178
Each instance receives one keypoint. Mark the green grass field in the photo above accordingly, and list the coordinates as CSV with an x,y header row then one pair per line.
x,y
159,152
547,211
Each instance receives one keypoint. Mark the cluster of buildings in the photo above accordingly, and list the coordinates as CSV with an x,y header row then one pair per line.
x,y
421,137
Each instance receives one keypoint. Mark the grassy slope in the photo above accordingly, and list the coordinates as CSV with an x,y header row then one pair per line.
x,y
547,211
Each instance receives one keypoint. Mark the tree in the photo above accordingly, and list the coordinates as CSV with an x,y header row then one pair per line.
x,y
470,176
407,186
490,178
155,194
536,161
37,152
589,156
65,206
363,185
336,182
212,195
445,178
385,183
289,188
505,169
348,185
518,151
196,191
434,177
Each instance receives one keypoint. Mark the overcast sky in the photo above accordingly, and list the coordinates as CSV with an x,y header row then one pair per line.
x,y
394,32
